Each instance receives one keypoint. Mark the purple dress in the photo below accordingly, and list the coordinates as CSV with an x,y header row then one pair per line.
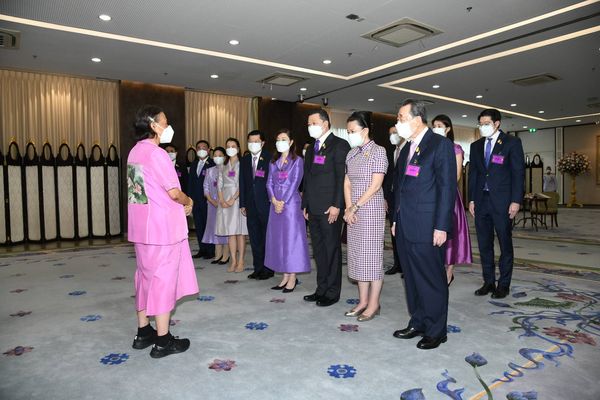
x,y
210,189
286,248
458,246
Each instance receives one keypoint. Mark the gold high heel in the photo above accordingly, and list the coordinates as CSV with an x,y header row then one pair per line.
x,y
354,313
364,318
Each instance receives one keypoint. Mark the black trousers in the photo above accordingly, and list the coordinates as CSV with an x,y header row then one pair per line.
x,y
488,220
327,252
426,284
257,232
199,214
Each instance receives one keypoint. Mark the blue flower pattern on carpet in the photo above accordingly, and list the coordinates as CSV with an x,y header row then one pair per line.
x,y
66,276
77,293
532,395
257,326
352,301
453,329
341,371
413,394
114,359
91,318
205,298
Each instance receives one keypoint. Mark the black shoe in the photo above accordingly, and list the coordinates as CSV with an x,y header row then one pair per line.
x,y
223,262
500,293
428,343
485,289
325,302
208,256
174,346
198,255
312,297
394,270
253,275
407,333
286,290
264,275
278,287
216,261
141,342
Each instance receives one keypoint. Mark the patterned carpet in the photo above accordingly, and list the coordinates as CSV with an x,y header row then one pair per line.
x,y
67,320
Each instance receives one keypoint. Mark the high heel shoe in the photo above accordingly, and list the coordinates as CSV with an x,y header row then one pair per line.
x,y
451,280
223,262
279,287
286,290
216,261
231,267
354,313
364,318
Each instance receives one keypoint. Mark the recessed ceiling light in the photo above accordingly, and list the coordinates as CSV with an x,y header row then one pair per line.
x,y
370,99
524,126
104,17
513,105
96,59
479,96
577,120
436,86
303,89
326,61
273,98
464,115
541,112
214,76
234,42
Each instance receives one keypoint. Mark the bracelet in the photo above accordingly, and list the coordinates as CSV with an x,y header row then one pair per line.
x,y
354,208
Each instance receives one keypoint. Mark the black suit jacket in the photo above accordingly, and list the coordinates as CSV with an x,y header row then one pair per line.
x,y
195,187
324,183
426,202
505,173
253,190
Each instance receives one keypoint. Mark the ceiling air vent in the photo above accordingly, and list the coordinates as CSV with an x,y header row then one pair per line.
x,y
9,39
401,32
535,80
282,80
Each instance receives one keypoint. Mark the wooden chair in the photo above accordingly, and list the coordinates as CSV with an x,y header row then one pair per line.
x,y
551,209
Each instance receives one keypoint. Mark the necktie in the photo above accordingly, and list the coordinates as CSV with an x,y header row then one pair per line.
x,y
396,154
488,150
317,146
200,166
254,166
413,147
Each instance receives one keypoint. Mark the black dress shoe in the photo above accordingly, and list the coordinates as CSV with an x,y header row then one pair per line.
x,y
485,289
394,270
198,255
208,256
428,343
312,297
174,346
141,342
263,276
326,302
407,333
252,275
500,292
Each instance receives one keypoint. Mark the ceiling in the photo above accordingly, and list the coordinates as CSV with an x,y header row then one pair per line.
x,y
183,42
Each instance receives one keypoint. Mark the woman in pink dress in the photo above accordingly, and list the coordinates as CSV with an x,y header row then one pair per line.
x,y
458,245
157,226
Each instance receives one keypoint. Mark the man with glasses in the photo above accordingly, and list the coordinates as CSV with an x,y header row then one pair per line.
x,y
496,186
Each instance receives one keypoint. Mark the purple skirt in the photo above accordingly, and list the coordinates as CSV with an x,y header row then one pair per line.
x,y
458,246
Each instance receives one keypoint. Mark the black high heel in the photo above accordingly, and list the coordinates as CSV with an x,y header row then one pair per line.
x,y
286,290
278,287
223,262
216,261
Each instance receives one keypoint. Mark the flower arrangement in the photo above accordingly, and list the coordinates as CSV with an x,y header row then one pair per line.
x,y
574,164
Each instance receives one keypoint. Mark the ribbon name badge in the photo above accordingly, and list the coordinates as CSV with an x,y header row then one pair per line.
x,y
320,160
260,173
413,170
498,159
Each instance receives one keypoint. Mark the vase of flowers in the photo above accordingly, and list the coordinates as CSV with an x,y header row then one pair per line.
x,y
573,164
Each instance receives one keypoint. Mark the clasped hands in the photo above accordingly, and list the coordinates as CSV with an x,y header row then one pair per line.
x,y
278,205
188,207
350,215
227,203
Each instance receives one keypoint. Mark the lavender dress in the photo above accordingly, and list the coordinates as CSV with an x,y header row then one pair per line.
x,y
211,181
286,247
458,246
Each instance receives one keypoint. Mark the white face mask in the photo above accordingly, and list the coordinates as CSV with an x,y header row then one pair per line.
x,y
395,139
315,131
303,152
167,135
355,139
173,156
439,131
254,147
202,153
231,151
219,160
404,130
282,146
486,130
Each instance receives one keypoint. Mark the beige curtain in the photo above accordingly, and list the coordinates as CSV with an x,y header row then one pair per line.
x,y
464,136
215,117
57,109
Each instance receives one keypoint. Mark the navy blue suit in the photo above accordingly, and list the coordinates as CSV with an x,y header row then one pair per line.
x,y
255,199
505,177
424,203
196,191
388,193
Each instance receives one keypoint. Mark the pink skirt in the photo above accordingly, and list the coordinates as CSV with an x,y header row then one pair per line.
x,y
164,275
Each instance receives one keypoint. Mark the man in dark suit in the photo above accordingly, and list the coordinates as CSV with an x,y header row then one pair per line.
x,y
388,191
323,203
496,186
181,171
424,190
254,200
196,191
